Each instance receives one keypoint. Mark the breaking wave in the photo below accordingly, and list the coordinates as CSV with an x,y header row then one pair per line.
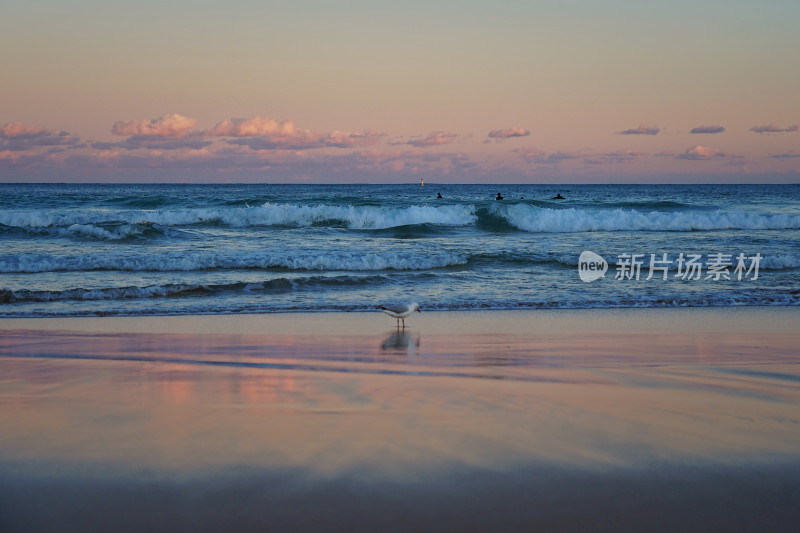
x,y
509,217
767,262
177,290
544,220
127,250
331,261
355,217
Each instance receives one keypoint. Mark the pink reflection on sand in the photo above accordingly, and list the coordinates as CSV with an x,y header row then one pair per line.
x,y
397,403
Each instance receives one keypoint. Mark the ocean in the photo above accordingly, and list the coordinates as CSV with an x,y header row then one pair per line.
x,y
124,250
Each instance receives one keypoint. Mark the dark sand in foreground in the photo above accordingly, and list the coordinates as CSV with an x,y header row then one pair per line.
x,y
620,420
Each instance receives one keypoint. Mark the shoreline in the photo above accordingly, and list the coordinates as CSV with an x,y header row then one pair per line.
x,y
724,319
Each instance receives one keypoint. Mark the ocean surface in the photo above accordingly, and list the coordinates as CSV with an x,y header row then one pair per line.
x,y
105,250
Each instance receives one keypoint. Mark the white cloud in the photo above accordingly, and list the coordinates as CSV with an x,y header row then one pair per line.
x,y
434,138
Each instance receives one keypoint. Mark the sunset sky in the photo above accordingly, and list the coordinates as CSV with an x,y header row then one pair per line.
x,y
567,91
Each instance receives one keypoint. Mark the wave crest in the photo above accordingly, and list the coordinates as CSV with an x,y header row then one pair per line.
x,y
268,214
184,290
331,261
526,217
545,220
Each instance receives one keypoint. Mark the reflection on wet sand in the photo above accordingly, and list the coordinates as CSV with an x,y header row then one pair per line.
x,y
517,393
295,420
401,342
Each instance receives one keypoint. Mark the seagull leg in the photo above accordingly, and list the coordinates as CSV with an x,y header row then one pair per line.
x,y
404,322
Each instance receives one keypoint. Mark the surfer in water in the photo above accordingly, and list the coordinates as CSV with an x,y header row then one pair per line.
x,y
499,196
558,197
439,196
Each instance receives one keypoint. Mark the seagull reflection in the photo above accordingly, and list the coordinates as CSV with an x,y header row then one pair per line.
x,y
401,342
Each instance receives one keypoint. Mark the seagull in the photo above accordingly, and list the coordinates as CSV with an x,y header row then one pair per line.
x,y
400,311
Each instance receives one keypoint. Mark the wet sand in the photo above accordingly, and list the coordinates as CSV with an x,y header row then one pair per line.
x,y
621,420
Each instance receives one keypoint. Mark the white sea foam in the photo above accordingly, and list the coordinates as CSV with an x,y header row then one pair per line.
x,y
114,293
96,232
324,261
356,217
767,262
121,251
777,262
522,216
38,219
544,220
643,301
331,261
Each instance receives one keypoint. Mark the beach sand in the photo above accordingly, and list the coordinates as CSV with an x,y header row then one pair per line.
x,y
574,420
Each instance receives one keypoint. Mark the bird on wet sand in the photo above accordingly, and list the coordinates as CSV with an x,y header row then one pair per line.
x,y
400,311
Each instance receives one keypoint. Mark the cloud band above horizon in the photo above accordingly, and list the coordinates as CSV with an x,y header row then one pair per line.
x,y
265,146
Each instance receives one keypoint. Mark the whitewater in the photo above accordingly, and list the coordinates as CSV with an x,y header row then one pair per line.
x,y
104,250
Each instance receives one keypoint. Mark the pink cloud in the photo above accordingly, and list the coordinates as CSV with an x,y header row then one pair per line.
x,y
16,136
772,128
284,164
10,156
700,153
344,139
138,142
381,162
532,155
643,129
20,159
307,141
253,127
614,157
18,129
173,149
260,133
173,125
434,138
508,133
626,155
